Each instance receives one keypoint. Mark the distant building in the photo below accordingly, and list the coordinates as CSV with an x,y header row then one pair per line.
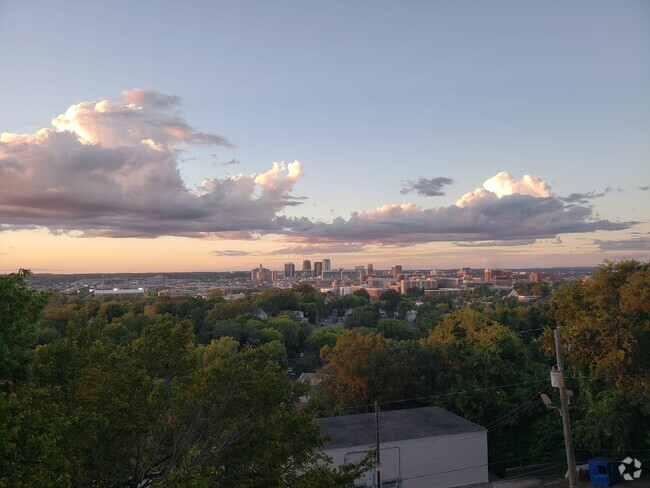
x,y
444,292
395,271
419,447
380,282
351,275
490,275
289,270
327,265
370,269
463,272
332,274
118,291
523,298
262,314
261,274
419,283
448,282
306,267
318,269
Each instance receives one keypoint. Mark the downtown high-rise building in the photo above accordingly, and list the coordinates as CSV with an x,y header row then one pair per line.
x,y
318,268
327,265
289,270
370,270
395,271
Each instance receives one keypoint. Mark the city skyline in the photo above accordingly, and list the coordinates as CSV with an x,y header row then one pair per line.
x,y
435,135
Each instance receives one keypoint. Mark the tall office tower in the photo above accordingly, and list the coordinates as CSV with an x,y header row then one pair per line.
x,y
306,265
487,274
318,268
361,269
396,270
289,270
327,265
370,269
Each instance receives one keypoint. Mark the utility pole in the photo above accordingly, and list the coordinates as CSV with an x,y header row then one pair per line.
x,y
566,420
377,459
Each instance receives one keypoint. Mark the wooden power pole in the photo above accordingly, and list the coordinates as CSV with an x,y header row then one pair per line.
x,y
377,458
566,420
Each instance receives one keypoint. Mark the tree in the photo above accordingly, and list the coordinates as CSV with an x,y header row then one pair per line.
x,y
274,301
364,316
363,368
19,312
289,330
606,331
390,299
479,359
363,293
396,329
327,336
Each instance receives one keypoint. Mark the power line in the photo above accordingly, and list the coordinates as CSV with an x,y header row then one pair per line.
x,y
429,397
531,399
507,421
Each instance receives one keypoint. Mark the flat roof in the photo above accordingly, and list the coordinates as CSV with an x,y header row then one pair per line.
x,y
394,425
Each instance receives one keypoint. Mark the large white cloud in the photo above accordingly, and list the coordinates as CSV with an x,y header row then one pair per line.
x,y
111,170
502,185
503,209
142,117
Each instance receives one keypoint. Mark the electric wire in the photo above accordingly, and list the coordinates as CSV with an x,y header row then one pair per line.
x,y
523,405
507,421
429,397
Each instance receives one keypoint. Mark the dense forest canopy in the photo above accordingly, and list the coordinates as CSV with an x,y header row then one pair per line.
x,y
196,391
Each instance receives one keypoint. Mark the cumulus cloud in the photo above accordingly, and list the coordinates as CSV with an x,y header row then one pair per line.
x,y
426,187
112,170
503,209
142,117
635,244
503,185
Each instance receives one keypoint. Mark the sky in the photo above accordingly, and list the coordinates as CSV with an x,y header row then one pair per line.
x,y
157,136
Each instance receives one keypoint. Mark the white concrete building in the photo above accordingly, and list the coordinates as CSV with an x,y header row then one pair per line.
x,y
420,447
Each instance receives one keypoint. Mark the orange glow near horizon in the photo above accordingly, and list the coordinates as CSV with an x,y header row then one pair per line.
x,y
43,252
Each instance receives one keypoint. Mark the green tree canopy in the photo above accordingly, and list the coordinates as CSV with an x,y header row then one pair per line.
x,y
20,309
606,335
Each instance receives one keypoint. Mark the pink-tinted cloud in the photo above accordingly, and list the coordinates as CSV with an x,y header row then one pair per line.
x,y
112,170
503,209
502,184
142,117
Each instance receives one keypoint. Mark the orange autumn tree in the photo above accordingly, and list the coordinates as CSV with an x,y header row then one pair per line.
x,y
366,367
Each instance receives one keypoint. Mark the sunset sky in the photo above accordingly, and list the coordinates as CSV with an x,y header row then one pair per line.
x,y
211,136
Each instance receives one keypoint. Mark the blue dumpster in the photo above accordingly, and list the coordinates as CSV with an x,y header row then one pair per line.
x,y
603,471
